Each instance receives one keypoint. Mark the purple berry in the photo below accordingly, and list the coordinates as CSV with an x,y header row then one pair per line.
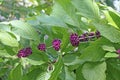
x,y
42,47
74,39
24,52
91,34
118,51
28,51
83,37
56,44
97,33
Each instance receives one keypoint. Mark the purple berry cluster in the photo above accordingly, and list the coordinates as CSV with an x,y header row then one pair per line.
x,y
42,47
24,52
56,44
75,39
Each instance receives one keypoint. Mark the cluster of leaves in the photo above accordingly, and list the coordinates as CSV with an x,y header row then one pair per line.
x,y
16,9
91,60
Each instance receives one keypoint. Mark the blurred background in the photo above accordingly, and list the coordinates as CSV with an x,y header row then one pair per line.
x,y
20,9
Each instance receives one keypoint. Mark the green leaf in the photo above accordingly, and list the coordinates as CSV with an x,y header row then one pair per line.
x,y
46,20
94,52
43,76
79,75
69,9
58,68
109,32
4,27
24,30
110,55
115,16
68,13
113,69
7,39
3,53
110,19
87,8
109,48
94,71
34,74
69,75
16,73
3,71
36,59
71,59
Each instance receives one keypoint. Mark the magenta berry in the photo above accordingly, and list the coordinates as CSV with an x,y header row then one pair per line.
x,y
91,34
56,44
74,39
118,51
97,33
24,52
83,37
42,47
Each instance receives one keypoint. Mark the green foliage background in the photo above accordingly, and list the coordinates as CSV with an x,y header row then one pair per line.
x,y
92,60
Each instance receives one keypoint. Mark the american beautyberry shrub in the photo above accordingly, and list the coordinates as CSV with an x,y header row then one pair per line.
x,y
25,52
74,39
41,47
56,44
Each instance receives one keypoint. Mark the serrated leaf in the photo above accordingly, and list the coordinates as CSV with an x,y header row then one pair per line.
x,y
115,16
79,75
68,14
7,39
50,21
111,55
113,67
69,75
71,59
94,71
4,27
70,10
23,29
109,48
108,31
87,8
34,74
109,19
94,52
16,73
4,53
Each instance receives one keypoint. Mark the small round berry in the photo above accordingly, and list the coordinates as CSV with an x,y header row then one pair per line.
x,y
83,37
42,47
97,33
56,44
28,51
118,51
24,52
21,53
91,34
74,39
